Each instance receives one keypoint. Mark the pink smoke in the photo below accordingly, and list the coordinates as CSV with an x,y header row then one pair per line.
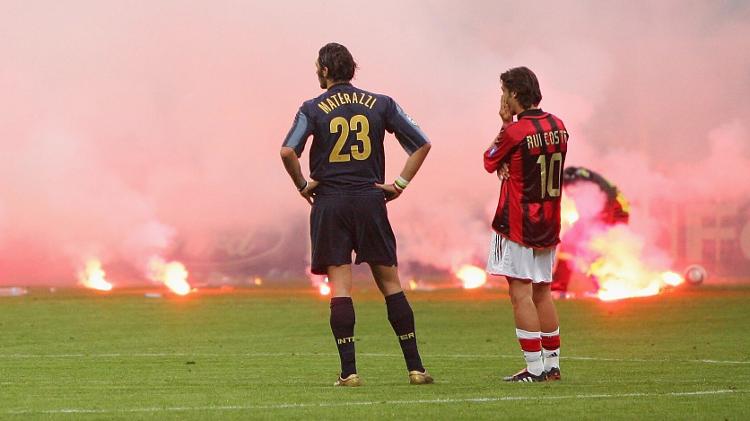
x,y
131,131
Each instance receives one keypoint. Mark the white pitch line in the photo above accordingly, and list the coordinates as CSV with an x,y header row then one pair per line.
x,y
363,354
565,357
489,399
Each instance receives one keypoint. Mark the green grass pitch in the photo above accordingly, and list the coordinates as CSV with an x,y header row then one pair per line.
x,y
269,354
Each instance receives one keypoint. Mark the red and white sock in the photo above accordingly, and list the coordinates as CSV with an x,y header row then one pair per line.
x,y
531,344
551,349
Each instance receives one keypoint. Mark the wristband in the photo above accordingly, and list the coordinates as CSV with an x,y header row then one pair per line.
x,y
398,189
401,182
304,186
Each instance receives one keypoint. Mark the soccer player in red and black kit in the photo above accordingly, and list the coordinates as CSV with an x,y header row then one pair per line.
x,y
348,198
529,154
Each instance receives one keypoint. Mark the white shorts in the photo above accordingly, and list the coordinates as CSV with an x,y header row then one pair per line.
x,y
509,258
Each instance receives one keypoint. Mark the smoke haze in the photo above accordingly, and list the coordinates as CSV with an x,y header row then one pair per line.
x,y
127,129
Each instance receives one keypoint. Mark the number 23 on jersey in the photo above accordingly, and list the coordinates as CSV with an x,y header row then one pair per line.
x,y
357,124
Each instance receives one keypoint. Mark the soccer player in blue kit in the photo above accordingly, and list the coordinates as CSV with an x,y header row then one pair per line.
x,y
348,195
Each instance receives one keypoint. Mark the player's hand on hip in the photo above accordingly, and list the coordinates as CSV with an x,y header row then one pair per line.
x,y
309,191
391,192
503,173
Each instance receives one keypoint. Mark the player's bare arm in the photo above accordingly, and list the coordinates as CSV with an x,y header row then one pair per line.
x,y
294,169
411,167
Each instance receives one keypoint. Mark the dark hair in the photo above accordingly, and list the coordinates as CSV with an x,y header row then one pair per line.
x,y
338,60
523,82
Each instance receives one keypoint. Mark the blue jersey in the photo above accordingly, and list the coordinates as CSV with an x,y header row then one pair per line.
x,y
348,126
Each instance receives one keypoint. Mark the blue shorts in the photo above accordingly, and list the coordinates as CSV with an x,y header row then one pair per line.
x,y
340,224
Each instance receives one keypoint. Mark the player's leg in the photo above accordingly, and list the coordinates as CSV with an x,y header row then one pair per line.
x,y
340,280
524,310
342,321
550,327
376,244
387,279
528,330
516,263
331,255
401,317
545,306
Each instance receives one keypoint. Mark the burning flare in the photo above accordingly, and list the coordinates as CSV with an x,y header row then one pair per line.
x,y
568,213
324,289
172,274
471,276
93,276
613,255
319,282
671,278
620,269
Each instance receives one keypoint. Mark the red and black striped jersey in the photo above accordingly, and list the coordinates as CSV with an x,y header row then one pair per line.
x,y
534,148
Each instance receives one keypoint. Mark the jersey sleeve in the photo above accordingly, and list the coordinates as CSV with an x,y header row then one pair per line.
x,y
408,134
502,148
301,130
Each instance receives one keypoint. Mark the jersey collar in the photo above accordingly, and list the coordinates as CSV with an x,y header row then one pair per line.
x,y
340,85
531,113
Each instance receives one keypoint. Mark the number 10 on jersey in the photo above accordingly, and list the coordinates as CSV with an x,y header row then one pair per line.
x,y
548,173
361,126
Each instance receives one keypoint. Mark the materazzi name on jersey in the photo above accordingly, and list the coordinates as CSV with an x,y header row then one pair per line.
x,y
553,137
339,98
